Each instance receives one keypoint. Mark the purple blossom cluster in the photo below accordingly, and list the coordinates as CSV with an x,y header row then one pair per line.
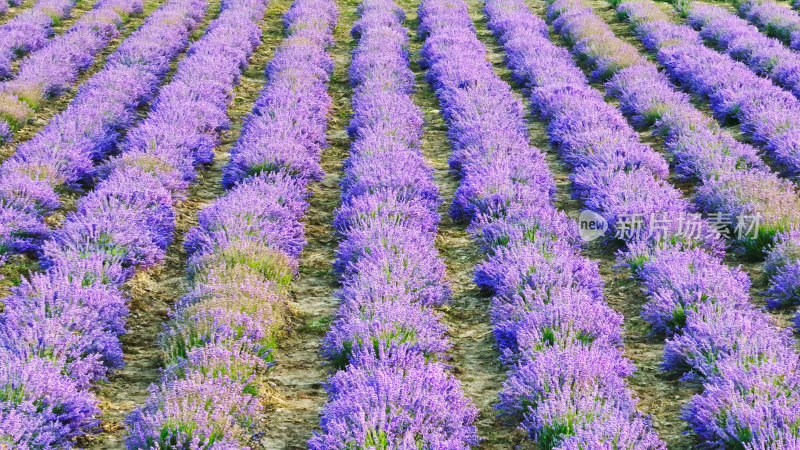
x,y
30,30
245,250
74,313
592,39
560,340
51,70
65,154
764,55
615,174
393,389
766,113
41,407
286,131
775,19
733,182
783,267
747,366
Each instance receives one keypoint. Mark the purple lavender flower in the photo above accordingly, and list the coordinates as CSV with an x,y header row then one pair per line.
x,y
777,20
550,300
393,392
755,404
66,320
391,206
782,265
525,223
41,406
197,411
676,279
681,277
366,174
267,221
743,42
532,320
394,257
766,113
395,398
702,343
386,323
509,180
561,393
53,68
65,152
542,264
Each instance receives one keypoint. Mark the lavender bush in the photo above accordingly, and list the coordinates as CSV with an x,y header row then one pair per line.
x,y
764,55
30,30
766,113
65,154
395,399
392,389
773,18
128,220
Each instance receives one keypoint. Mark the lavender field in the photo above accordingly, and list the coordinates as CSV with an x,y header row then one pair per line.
x,y
399,224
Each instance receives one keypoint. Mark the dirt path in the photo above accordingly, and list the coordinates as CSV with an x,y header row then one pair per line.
x,y
297,379
153,292
474,356
20,265
59,27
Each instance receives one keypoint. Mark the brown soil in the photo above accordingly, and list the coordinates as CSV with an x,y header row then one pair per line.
x,y
59,27
20,265
297,393
14,10
753,268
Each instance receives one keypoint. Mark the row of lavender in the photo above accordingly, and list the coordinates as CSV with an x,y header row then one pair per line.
x,y
747,367
67,153
766,113
733,182
244,254
775,19
393,389
61,328
764,55
30,30
560,340
743,187
6,4
51,70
